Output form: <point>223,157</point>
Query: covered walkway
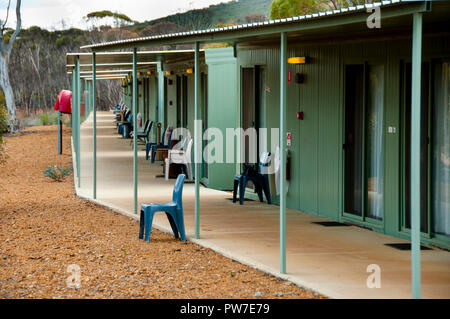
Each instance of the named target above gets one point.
<point>330,260</point>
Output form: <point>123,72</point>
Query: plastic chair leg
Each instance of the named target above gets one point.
<point>153,155</point>
<point>259,191</point>
<point>189,169</point>
<point>166,172</point>
<point>147,150</point>
<point>172,225</point>
<point>184,169</point>
<point>180,224</point>
<point>141,225</point>
<point>235,189</point>
<point>148,218</point>
<point>242,186</point>
<point>266,190</point>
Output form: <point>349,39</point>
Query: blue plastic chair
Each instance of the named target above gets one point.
<point>121,124</point>
<point>125,128</point>
<point>149,145</point>
<point>144,136</point>
<point>173,210</point>
<point>261,182</point>
<point>119,116</point>
<point>116,108</point>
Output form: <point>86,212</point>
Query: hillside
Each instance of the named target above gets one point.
<point>39,54</point>
<point>235,11</point>
<point>238,10</point>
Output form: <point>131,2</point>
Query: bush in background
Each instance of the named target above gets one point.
<point>44,118</point>
<point>47,118</point>
<point>3,129</point>
<point>57,173</point>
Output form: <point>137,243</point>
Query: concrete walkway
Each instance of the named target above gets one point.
<point>330,260</point>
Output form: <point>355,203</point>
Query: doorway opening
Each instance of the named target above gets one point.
<point>363,146</point>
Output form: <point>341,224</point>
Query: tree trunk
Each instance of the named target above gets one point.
<point>8,92</point>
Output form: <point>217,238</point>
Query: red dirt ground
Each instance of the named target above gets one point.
<point>44,228</point>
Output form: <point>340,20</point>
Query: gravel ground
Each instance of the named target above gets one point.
<point>44,228</point>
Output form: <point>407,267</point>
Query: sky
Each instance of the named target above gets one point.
<point>48,14</point>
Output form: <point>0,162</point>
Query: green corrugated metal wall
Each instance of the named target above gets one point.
<point>172,97</point>
<point>141,99</point>
<point>316,154</point>
<point>315,166</point>
<point>316,184</point>
<point>153,104</point>
<point>223,109</point>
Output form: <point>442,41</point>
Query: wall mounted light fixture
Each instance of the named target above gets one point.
<point>297,60</point>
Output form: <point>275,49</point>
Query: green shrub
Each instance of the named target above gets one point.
<point>3,122</point>
<point>55,118</point>
<point>57,173</point>
<point>3,129</point>
<point>45,119</point>
<point>2,98</point>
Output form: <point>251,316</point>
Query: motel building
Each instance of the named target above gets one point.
<point>358,101</point>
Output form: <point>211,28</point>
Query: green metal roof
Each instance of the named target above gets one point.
<point>119,64</point>
<point>312,24</point>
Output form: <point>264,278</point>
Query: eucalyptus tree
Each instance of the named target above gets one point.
<point>7,38</point>
<point>288,8</point>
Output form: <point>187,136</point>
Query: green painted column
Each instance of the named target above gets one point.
<point>82,88</point>
<point>74,106</point>
<point>72,116</point>
<point>94,124</point>
<point>160,108</point>
<point>88,96</point>
<point>59,133</point>
<point>89,84</point>
<point>135,106</point>
<point>78,93</point>
<point>283,94</point>
<point>83,93</point>
<point>415,152</point>
<point>87,90</point>
<point>197,141</point>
